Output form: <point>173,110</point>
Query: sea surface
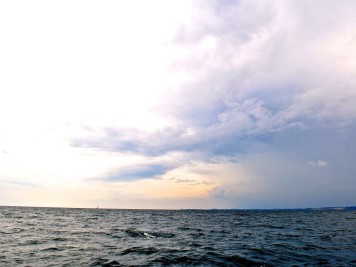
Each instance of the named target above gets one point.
<point>100,237</point>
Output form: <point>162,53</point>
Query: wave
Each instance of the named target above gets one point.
<point>145,234</point>
<point>105,263</point>
<point>140,250</point>
<point>12,231</point>
<point>185,260</point>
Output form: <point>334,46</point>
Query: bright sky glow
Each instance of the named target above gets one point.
<point>178,104</point>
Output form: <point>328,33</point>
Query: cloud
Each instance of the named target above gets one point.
<point>319,163</point>
<point>262,85</point>
<point>189,181</point>
<point>263,59</point>
<point>20,183</point>
<point>266,86</point>
<point>133,173</point>
<point>249,78</point>
<point>276,175</point>
<point>217,192</point>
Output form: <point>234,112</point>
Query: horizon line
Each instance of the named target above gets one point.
<point>352,207</point>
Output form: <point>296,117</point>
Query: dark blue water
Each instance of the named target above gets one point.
<point>89,237</point>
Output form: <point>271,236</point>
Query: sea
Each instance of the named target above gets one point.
<point>105,237</point>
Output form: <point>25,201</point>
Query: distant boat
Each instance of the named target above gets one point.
<point>97,207</point>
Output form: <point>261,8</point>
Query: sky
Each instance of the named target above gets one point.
<point>178,104</point>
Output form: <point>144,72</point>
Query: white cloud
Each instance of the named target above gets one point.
<point>319,163</point>
<point>299,68</point>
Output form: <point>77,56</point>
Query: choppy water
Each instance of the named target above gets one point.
<point>85,237</point>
